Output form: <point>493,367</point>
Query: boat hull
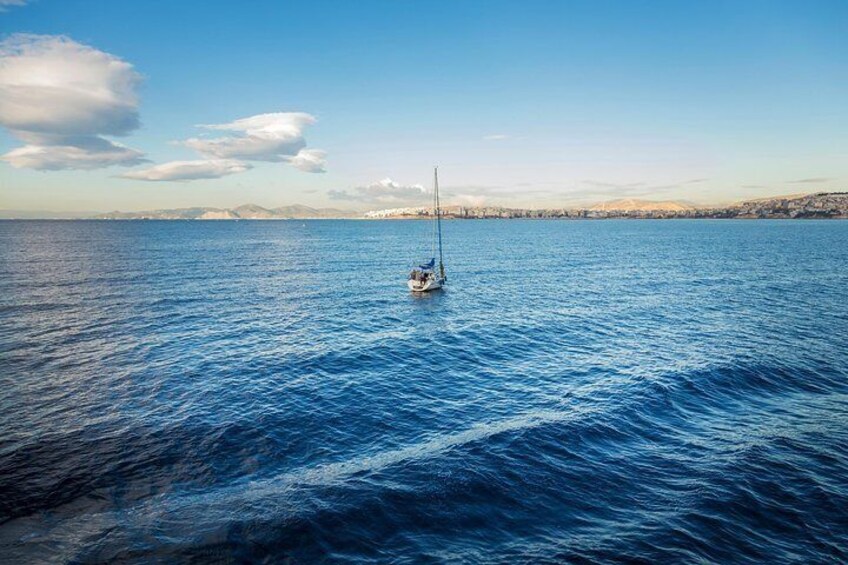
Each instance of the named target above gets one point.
<point>417,286</point>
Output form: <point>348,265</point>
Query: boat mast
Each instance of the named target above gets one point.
<point>439,220</point>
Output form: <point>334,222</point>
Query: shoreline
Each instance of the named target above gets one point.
<point>820,205</point>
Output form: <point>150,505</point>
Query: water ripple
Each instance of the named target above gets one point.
<point>627,391</point>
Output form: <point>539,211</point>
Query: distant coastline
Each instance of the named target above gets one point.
<point>821,205</point>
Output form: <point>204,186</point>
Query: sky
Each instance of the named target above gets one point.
<point>146,104</point>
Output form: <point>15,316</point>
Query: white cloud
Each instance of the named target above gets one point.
<point>275,137</point>
<point>495,137</point>
<point>310,161</point>
<point>385,191</point>
<point>79,152</point>
<point>189,170</point>
<point>60,97</point>
<point>4,4</point>
<point>265,137</point>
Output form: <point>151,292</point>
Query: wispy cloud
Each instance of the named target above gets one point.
<point>189,170</point>
<point>457,194</point>
<point>814,180</point>
<point>275,137</point>
<point>390,194</point>
<point>636,188</point>
<point>75,152</point>
<point>597,189</point>
<point>265,137</point>
<point>614,185</point>
<point>5,4</point>
<point>60,98</point>
<point>384,193</point>
<point>495,137</point>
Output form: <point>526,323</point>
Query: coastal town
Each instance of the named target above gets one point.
<point>818,205</point>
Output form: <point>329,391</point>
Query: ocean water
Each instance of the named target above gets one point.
<point>583,391</point>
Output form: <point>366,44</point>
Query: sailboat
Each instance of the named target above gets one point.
<point>425,277</point>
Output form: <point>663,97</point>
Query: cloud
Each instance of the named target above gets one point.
<point>810,181</point>
<point>469,200</point>
<point>189,170</point>
<point>605,189</point>
<point>385,191</point>
<point>272,137</point>
<point>79,152</point>
<point>4,4</point>
<point>275,137</point>
<point>614,185</point>
<point>495,137</point>
<point>310,161</point>
<point>491,195</point>
<point>60,97</point>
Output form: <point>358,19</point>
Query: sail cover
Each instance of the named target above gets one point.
<point>429,265</point>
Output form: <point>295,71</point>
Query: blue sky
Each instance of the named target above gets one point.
<point>520,103</point>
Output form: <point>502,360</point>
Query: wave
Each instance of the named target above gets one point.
<point>599,440</point>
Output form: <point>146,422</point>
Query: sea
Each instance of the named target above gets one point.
<point>671,391</point>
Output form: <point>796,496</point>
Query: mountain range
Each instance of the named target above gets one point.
<point>243,212</point>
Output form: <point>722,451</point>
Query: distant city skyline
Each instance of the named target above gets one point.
<point>143,105</point>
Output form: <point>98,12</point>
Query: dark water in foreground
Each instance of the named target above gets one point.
<point>584,391</point>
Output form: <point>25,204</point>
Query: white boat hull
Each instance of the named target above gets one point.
<point>425,286</point>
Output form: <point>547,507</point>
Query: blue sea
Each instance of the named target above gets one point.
<point>581,392</point>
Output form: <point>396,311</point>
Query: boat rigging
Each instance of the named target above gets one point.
<point>425,277</point>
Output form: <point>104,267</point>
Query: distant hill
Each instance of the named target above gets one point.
<point>298,211</point>
<point>243,212</point>
<point>635,205</point>
<point>817,205</point>
<point>43,215</point>
<point>793,196</point>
